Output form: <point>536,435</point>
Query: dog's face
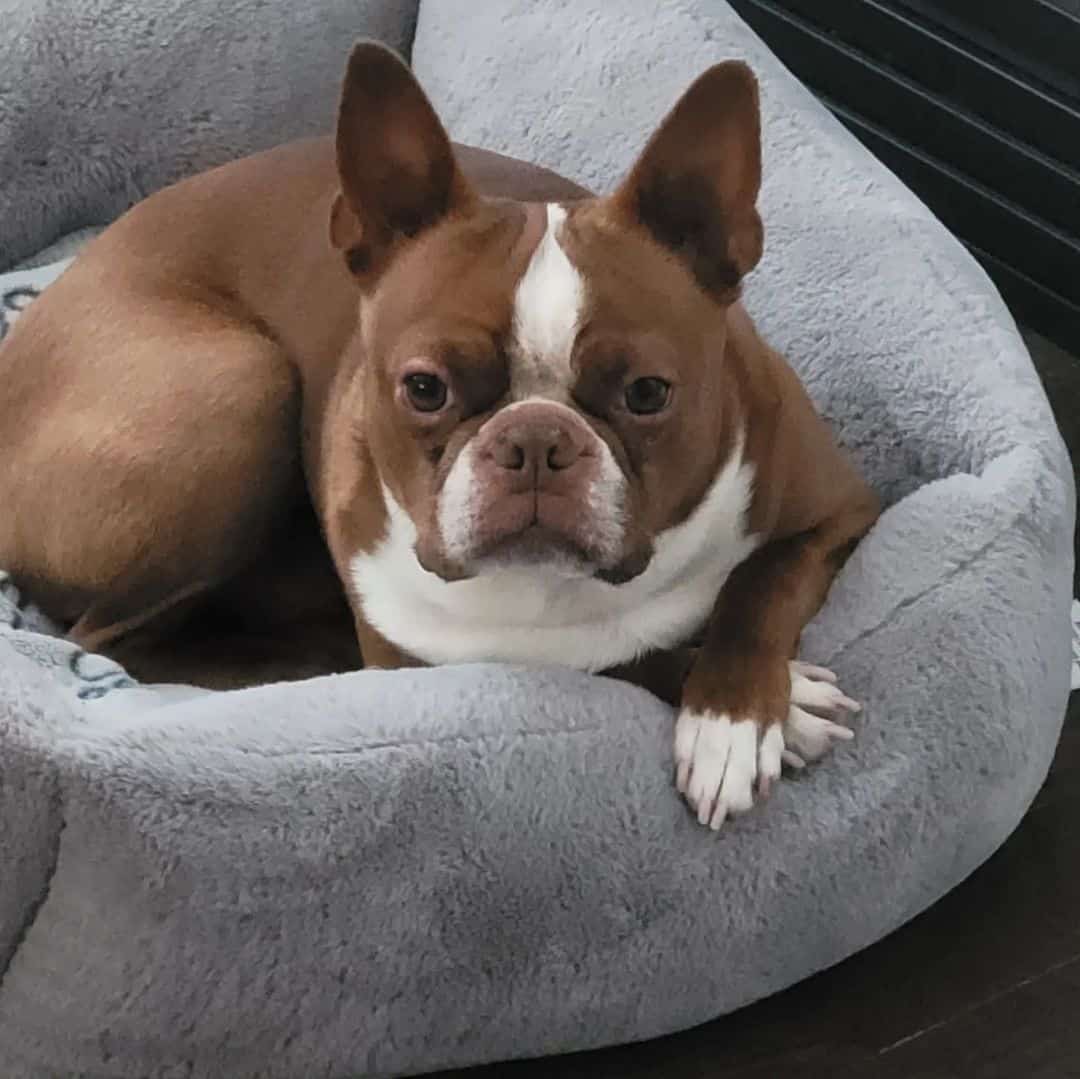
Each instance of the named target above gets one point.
<point>543,382</point>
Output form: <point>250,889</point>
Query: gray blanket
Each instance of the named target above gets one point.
<point>387,872</point>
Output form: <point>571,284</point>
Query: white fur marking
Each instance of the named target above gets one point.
<point>717,760</point>
<point>456,517</point>
<point>547,316</point>
<point>821,694</point>
<point>808,737</point>
<point>607,500</point>
<point>770,759</point>
<point>547,614</point>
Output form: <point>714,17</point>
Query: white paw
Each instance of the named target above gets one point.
<point>810,729</point>
<point>718,762</point>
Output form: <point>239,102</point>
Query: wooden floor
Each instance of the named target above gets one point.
<point>985,985</point>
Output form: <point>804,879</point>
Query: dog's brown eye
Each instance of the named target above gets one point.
<point>427,393</point>
<point>646,396</point>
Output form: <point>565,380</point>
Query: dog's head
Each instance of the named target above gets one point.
<point>544,383</point>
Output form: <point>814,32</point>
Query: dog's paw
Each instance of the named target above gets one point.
<point>719,761</point>
<point>817,702</point>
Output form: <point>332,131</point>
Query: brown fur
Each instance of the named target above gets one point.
<point>224,361</point>
<point>151,419</point>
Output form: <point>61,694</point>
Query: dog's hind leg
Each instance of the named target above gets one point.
<point>147,455</point>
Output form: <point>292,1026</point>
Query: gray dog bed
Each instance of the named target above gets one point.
<point>388,872</point>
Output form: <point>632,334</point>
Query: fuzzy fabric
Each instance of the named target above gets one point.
<point>104,101</point>
<point>19,289</point>
<point>389,872</point>
<point>1076,644</point>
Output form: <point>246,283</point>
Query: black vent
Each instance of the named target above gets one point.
<point>975,104</point>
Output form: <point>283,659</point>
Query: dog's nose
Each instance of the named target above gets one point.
<point>536,446</point>
<point>532,472</point>
<point>533,442</point>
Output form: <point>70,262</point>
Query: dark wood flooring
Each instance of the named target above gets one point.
<point>984,985</point>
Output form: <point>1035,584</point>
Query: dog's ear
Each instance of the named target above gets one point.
<point>695,185</point>
<point>395,163</point>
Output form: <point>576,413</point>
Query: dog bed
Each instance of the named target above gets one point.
<point>388,872</point>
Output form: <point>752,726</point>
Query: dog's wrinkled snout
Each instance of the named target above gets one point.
<point>534,445</point>
<point>537,484</point>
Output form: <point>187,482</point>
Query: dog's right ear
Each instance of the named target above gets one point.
<point>395,163</point>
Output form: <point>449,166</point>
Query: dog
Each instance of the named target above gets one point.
<point>376,399</point>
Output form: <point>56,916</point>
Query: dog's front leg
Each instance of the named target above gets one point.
<point>746,706</point>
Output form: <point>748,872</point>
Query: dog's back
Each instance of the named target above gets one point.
<point>150,424</point>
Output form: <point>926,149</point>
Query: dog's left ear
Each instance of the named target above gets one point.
<point>396,165</point>
<point>695,185</point>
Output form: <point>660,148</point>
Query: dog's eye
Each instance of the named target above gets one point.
<point>426,392</point>
<point>647,396</point>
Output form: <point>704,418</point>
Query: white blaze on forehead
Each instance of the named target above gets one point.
<point>547,315</point>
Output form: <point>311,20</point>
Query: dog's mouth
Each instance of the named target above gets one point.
<point>536,547</point>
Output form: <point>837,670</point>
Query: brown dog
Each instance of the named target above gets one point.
<point>534,426</point>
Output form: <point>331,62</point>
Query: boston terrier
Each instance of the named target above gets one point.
<point>376,399</point>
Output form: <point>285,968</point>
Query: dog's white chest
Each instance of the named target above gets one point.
<point>540,616</point>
